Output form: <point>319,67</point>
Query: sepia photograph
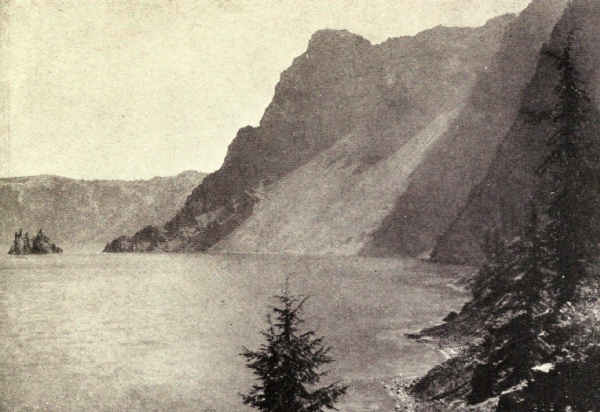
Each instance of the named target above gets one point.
<point>300,205</point>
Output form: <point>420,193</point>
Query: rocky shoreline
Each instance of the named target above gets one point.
<point>402,389</point>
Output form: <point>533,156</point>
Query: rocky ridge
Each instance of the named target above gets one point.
<point>348,124</point>
<point>77,212</point>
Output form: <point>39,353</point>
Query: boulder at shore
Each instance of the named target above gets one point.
<point>40,245</point>
<point>146,240</point>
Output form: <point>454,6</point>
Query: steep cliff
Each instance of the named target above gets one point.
<point>348,124</point>
<point>527,340</point>
<point>499,201</point>
<point>77,211</point>
<point>442,183</point>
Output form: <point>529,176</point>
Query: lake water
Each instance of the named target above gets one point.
<point>101,332</point>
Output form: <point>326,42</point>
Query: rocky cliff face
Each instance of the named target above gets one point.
<point>347,126</point>
<point>77,211</point>
<point>373,149</point>
<point>519,346</point>
<point>442,183</point>
<point>499,200</point>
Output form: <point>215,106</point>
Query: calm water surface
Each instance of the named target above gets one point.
<point>102,332</point>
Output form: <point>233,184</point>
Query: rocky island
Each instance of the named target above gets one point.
<point>40,245</point>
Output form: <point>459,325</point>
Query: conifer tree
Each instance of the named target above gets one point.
<point>287,365</point>
<point>572,169</point>
<point>541,350</point>
<point>513,348</point>
<point>557,258</point>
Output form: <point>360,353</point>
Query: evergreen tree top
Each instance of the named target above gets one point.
<point>287,365</point>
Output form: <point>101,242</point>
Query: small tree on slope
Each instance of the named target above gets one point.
<point>287,365</point>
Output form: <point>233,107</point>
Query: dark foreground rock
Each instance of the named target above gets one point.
<point>40,245</point>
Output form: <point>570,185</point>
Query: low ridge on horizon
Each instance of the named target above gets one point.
<point>76,211</point>
<point>189,172</point>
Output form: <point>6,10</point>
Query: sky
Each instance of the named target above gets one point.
<point>124,89</point>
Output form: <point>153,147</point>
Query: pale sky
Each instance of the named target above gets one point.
<point>130,89</point>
